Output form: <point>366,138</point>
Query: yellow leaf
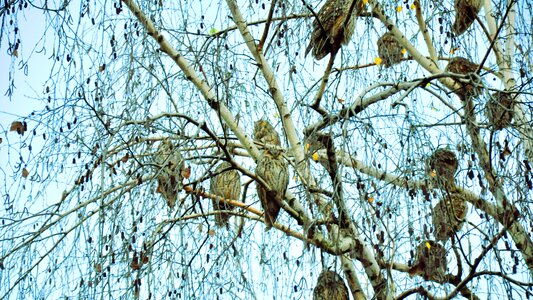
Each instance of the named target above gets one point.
<point>428,245</point>
<point>428,84</point>
<point>370,199</point>
<point>377,61</point>
<point>276,115</point>
<point>306,147</point>
<point>404,51</point>
<point>213,31</point>
<point>413,6</point>
<point>399,8</point>
<point>365,2</point>
<point>315,156</point>
<point>433,173</point>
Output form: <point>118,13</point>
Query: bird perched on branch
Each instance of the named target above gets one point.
<point>441,167</point>
<point>461,65</point>
<point>330,286</point>
<point>170,168</point>
<point>448,216</point>
<point>265,133</point>
<point>275,172</point>
<point>430,262</point>
<point>226,184</point>
<point>465,14</point>
<point>389,50</point>
<point>333,27</point>
<point>499,110</point>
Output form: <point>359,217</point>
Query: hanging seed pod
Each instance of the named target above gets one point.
<point>389,50</point>
<point>330,286</point>
<point>441,167</point>
<point>430,262</point>
<point>169,167</point>
<point>465,14</point>
<point>461,65</point>
<point>228,186</point>
<point>499,110</point>
<point>448,216</point>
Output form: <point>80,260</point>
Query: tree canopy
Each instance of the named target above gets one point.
<point>409,148</point>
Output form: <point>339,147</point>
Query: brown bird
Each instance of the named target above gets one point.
<point>461,65</point>
<point>332,29</point>
<point>389,50</point>
<point>430,262</point>
<point>448,216</point>
<point>170,167</point>
<point>330,286</point>
<point>465,14</point>
<point>499,110</point>
<point>275,172</point>
<point>265,133</point>
<point>441,167</point>
<point>228,186</point>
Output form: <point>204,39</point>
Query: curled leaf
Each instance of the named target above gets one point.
<point>135,263</point>
<point>186,172</point>
<point>315,156</point>
<point>19,127</point>
<point>98,268</point>
<point>25,173</point>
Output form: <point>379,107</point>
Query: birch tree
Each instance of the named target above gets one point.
<point>125,110</point>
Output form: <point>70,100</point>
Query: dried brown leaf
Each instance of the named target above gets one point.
<point>186,172</point>
<point>19,127</point>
